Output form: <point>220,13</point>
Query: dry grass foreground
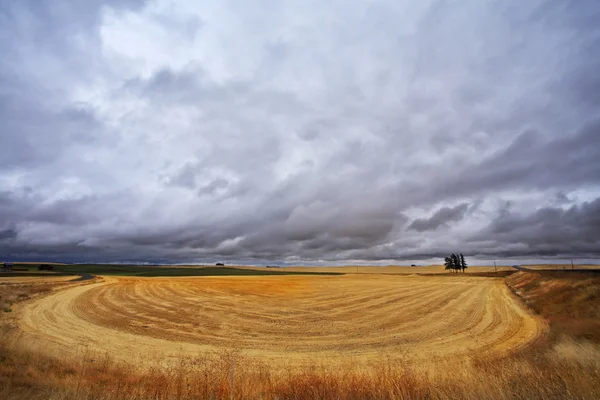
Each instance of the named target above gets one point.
<point>286,321</point>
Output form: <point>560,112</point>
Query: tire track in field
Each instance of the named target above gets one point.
<point>284,317</point>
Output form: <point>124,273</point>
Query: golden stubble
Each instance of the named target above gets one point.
<point>284,321</point>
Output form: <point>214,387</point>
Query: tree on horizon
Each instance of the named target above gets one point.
<point>455,262</point>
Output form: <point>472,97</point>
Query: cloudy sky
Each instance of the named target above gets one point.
<point>299,131</point>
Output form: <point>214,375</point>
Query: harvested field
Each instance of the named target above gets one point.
<point>282,320</point>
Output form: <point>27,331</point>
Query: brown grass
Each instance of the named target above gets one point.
<point>23,375</point>
<point>559,366</point>
<point>570,301</point>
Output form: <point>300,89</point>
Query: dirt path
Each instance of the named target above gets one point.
<point>281,320</point>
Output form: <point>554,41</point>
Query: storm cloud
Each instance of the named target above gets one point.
<point>440,218</point>
<point>295,132</point>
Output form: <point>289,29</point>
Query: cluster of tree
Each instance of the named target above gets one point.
<point>455,262</point>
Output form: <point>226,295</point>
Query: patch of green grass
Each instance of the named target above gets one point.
<point>7,309</point>
<point>25,267</point>
<point>156,271</point>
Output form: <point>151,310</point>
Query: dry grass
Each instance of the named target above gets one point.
<point>557,366</point>
<point>23,375</point>
<point>570,301</point>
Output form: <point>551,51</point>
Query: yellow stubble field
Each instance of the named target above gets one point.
<point>285,321</point>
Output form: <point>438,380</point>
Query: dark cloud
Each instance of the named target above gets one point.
<point>552,231</point>
<point>161,131</point>
<point>439,218</point>
<point>562,199</point>
<point>529,162</point>
<point>8,233</point>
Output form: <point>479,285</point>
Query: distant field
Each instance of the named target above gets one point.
<point>165,271</point>
<point>31,269</point>
<point>560,267</point>
<point>194,270</point>
<point>191,270</point>
<point>390,269</point>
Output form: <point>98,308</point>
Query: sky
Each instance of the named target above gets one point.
<point>299,132</point>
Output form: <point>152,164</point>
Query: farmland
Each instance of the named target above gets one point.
<point>297,336</point>
<point>297,319</point>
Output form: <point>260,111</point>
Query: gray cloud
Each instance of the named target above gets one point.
<point>439,218</point>
<point>8,233</point>
<point>172,132</point>
<point>552,231</point>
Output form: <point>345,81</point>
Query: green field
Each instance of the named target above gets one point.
<point>30,270</point>
<point>156,271</point>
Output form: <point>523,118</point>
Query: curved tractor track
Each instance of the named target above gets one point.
<point>282,318</point>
